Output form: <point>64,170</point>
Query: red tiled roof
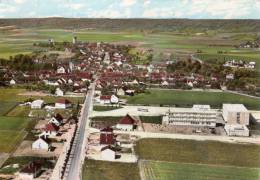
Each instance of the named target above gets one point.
<point>63,101</point>
<point>127,120</point>
<point>107,138</point>
<point>105,97</point>
<point>51,127</point>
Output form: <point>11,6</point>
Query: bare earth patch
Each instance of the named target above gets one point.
<point>33,93</point>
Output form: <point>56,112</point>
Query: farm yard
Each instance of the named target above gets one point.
<point>96,170</point>
<point>155,170</point>
<point>181,98</point>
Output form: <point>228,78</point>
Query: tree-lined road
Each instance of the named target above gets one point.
<point>77,155</point>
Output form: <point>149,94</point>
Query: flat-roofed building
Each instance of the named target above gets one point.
<point>199,116</point>
<point>235,114</point>
<point>236,117</point>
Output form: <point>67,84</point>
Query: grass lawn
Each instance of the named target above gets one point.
<point>151,119</point>
<point>105,108</point>
<point>21,111</point>
<point>188,98</point>
<point>10,139</point>
<point>13,123</point>
<point>199,152</point>
<point>110,119</point>
<point>12,131</point>
<point>6,106</point>
<point>180,171</point>
<point>97,170</point>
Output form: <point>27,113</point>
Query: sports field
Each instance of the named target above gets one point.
<point>188,98</point>
<point>154,170</point>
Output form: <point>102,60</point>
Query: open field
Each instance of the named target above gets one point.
<point>12,131</point>
<point>105,108</point>
<point>13,123</point>
<point>199,152</point>
<point>97,170</point>
<point>20,40</point>
<point>6,106</point>
<point>188,98</point>
<point>12,95</point>
<point>181,171</point>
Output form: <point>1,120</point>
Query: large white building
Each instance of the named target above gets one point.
<point>198,116</point>
<point>37,104</point>
<point>236,117</point>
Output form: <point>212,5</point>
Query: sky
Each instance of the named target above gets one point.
<point>193,9</point>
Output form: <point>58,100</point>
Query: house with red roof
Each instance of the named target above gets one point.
<point>50,129</point>
<point>126,123</point>
<point>109,99</point>
<point>63,103</point>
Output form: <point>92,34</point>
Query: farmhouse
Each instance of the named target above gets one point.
<point>236,117</point>
<point>108,153</point>
<point>41,144</point>
<point>50,130</point>
<point>127,123</point>
<point>30,171</point>
<point>37,104</point>
<point>198,116</point>
<point>63,104</point>
<point>109,99</point>
<point>57,119</point>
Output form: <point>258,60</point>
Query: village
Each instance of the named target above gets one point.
<point>115,126</point>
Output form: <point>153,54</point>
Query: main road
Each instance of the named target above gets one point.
<point>77,155</point>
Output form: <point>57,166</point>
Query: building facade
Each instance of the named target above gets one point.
<point>198,116</point>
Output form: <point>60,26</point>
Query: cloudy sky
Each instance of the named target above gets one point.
<point>206,9</point>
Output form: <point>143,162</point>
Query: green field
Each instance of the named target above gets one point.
<point>104,170</point>
<point>180,171</point>
<point>188,98</point>
<point>13,41</point>
<point>199,152</point>
<point>105,108</point>
<point>6,106</point>
<point>12,131</point>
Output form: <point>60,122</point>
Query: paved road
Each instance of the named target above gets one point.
<point>249,140</point>
<point>77,156</point>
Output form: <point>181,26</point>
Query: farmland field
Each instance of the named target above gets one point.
<point>97,170</point>
<point>154,170</point>
<point>199,152</point>
<point>188,98</point>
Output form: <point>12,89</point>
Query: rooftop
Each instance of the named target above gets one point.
<point>235,107</point>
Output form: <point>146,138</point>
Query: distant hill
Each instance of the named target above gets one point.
<point>136,24</point>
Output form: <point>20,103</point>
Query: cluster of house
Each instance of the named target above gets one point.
<point>50,130</point>
<point>60,103</point>
<point>240,64</point>
<point>108,138</point>
<point>251,44</point>
<point>235,116</point>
